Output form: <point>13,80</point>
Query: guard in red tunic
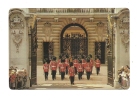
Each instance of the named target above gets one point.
<point>46,69</point>
<point>53,66</point>
<point>67,63</point>
<point>88,69</point>
<point>83,63</point>
<point>71,71</point>
<point>62,69</point>
<point>97,65</point>
<point>80,70</point>
<point>75,63</point>
<point>92,63</point>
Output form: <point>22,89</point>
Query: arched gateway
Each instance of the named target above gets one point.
<point>74,44</point>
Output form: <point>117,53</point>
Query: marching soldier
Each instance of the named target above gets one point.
<point>88,69</point>
<point>80,70</point>
<point>92,62</point>
<point>97,65</point>
<point>46,69</point>
<point>71,71</point>
<point>62,69</point>
<point>83,63</point>
<point>67,63</point>
<point>53,66</point>
<point>75,63</point>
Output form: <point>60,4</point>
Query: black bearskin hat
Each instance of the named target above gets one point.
<point>88,60</point>
<point>90,55</point>
<point>71,64</point>
<point>54,58</point>
<point>80,61</point>
<point>62,60</point>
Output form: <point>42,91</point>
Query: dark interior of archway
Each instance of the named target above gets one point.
<point>74,44</point>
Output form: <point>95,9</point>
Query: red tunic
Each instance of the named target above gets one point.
<point>88,68</point>
<point>83,63</point>
<point>46,67</point>
<point>71,71</point>
<point>53,65</point>
<point>97,63</point>
<point>67,62</point>
<point>80,68</point>
<point>75,63</point>
<point>62,67</point>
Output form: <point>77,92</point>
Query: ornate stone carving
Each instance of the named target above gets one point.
<point>124,29</point>
<point>47,31</point>
<point>16,21</point>
<point>17,38</point>
<point>100,30</point>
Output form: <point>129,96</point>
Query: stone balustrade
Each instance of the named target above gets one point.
<point>75,10</point>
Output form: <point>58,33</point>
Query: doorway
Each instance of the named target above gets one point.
<point>47,50</point>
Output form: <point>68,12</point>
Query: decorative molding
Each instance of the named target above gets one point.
<point>17,38</point>
<point>124,29</point>
<point>16,21</point>
<point>100,30</point>
<point>56,19</point>
<point>91,19</point>
<point>47,31</point>
<point>74,20</point>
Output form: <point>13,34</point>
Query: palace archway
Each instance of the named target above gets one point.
<point>74,40</point>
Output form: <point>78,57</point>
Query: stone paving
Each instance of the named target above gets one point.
<point>95,82</point>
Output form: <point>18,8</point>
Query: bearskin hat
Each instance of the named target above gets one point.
<point>71,64</point>
<point>80,61</point>
<point>54,58</point>
<point>90,55</point>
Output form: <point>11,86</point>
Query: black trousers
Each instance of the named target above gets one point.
<point>88,75</point>
<point>80,75</point>
<point>62,75</point>
<point>53,74</point>
<point>46,75</point>
<point>97,70</point>
<point>72,79</point>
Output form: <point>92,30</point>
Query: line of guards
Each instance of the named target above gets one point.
<point>71,66</point>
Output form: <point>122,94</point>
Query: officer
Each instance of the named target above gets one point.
<point>53,66</point>
<point>97,65</point>
<point>71,71</point>
<point>88,69</point>
<point>46,69</point>
<point>62,69</point>
<point>80,70</point>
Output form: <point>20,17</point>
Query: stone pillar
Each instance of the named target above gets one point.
<point>18,41</point>
<point>116,84</point>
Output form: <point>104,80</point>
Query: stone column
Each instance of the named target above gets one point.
<point>116,84</point>
<point>18,40</point>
